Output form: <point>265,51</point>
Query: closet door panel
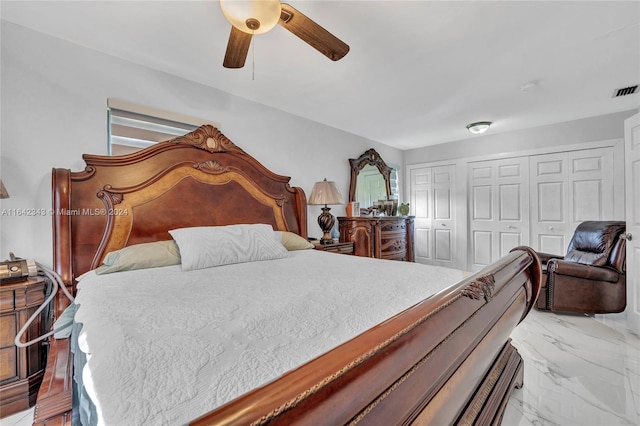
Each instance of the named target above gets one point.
<point>443,216</point>
<point>549,202</point>
<point>482,219</point>
<point>513,204</point>
<point>482,247</point>
<point>587,201</point>
<point>420,204</point>
<point>481,202</point>
<point>443,244</point>
<point>509,240</point>
<point>591,177</point>
<point>423,244</point>
<point>569,188</point>
<point>498,208</point>
<point>432,204</point>
<point>554,244</point>
<point>510,208</point>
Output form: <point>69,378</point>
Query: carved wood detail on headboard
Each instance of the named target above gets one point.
<point>210,139</point>
<point>121,204</point>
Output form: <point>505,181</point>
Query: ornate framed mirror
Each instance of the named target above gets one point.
<point>370,179</point>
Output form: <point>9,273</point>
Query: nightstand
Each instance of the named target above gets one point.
<point>21,369</point>
<point>341,248</point>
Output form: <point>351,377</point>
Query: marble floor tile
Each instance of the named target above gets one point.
<point>23,418</point>
<point>578,370</point>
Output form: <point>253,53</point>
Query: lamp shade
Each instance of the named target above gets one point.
<point>3,190</point>
<point>325,192</point>
<point>253,17</point>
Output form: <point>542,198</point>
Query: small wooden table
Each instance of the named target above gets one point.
<point>21,369</point>
<point>341,248</point>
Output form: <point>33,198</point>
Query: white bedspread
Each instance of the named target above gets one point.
<point>166,346</point>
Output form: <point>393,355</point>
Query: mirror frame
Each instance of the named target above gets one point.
<point>371,157</point>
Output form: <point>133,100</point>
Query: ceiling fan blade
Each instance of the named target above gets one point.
<point>312,33</point>
<point>237,48</point>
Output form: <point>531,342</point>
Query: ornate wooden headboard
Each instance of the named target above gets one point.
<point>198,179</point>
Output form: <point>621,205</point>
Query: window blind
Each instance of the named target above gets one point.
<point>130,131</point>
<point>133,127</point>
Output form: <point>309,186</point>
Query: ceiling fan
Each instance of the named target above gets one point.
<point>259,16</point>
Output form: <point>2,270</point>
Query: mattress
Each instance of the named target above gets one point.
<point>164,346</point>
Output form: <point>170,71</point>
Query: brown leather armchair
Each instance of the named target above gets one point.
<point>591,277</point>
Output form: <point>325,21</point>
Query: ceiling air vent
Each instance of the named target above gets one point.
<point>625,91</point>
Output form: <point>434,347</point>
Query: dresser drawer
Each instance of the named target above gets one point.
<point>392,227</point>
<point>6,301</point>
<point>395,244</point>
<point>8,364</point>
<point>402,256</point>
<point>384,237</point>
<point>8,329</point>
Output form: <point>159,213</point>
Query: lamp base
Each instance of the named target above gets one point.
<point>326,240</point>
<point>326,222</point>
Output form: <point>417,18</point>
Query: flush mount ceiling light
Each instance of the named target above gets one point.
<point>479,127</point>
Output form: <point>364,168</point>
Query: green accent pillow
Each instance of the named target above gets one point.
<point>294,241</point>
<point>141,256</point>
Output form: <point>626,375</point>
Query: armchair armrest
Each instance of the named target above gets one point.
<point>546,257</point>
<point>580,270</point>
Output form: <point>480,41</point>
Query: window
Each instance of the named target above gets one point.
<point>133,127</point>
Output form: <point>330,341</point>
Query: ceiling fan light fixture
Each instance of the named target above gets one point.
<point>479,127</point>
<point>252,17</point>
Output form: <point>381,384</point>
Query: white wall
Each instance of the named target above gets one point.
<point>604,127</point>
<point>53,109</point>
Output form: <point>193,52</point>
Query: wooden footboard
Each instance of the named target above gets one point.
<point>446,360</point>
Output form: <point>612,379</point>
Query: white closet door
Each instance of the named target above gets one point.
<point>569,188</point>
<point>420,206</point>
<point>498,192</point>
<point>444,213</point>
<point>432,204</point>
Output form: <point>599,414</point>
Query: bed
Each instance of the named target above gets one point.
<point>440,355</point>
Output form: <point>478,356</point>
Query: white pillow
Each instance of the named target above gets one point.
<point>207,246</point>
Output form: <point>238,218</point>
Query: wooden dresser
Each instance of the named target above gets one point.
<point>386,237</point>
<point>21,369</point>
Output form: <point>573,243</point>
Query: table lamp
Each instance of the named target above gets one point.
<point>325,193</point>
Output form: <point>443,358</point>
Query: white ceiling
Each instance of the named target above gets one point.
<point>417,71</point>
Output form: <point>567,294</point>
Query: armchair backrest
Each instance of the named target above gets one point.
<point>598,243</point>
